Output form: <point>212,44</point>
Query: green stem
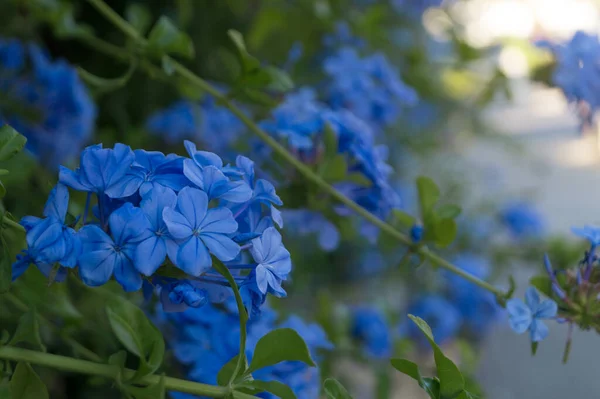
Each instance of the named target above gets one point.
<point>108,371</point>
<point>82,350</point>
<point>12,223</point>
<point>185,73</point>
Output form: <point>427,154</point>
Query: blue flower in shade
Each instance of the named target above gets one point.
<point>45,101</point>
<point>304,222</point>
<point>154,247</point>
<point>102,255</point>
<point>49,240</point>
<point>273,262</point>
<point>199,230</point>
<point>342,37</point>
<point>529,315</point>
<point>523,220</point>
<point>178,122</point>
<point>370,326</point>
<point>591,233</point>
<point>152,168</point>
<point>416,233</point>
<point>206,171</point>
<point>102,171</point>
<point>441,315</point>
<point>185,292</point>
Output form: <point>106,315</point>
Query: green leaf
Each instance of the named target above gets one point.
<point>139,17</point>
<point>25,384</point>
<point>226,372</point>
<point>2,190</point>
<point>429,385</point>
<point>5,390</point>
<point>3,172</point>
<point>334,169</point>
<point>5,268</point>
<point>429,195</point>
<point>445,232</point>
<point>5,337</point>
<point>403,218</point>
<point>534,348</point>
<point>542,283</point>
<point>107,84</point>
<point>11,142</point>
<point>275,387</point>
<point>279,80</point>
<point>137,334</point>
<point>451,379</point>
<point>448,211</point>
<point>166,38</point>
<point>28,330</point>
<point>242,395</point>
<point>249,63</point>
<point>335,390</point>
<point>167,65</point>
<point>278,346</point>
<point>154,391</point>
<point>330,141</point>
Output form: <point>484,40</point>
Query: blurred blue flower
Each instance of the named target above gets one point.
<point>523,220</point>
<point>441,315</point>
<point>529,315</point>
<point>45,101</point>
<point>176,123</point>
<point>591,233</point>
<point>414,8</point>
<point>370,327</point>
<point>305,222</point>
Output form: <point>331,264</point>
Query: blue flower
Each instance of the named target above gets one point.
<point>102,171</point>
<point>370,326</point>
<point>304,222</point>
<point>441,315</point>
<point>529,315</point>
<point>178,122</point>
<point>414,8</point>
<point>591,233</point>
<point>102,255</point>
<point>416,233</point>
<point>45,101</point>
<point>49,240</point>
<point>522,220</point>
<point>199,230</point>
<point>273,261</point>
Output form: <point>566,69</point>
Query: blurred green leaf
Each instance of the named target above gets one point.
<point>448,211</point>
<point>403,218</point>
<point>429,385</point>
<point>283,344</point>
<point>107,84</point>
<point>139,17</point>
<point>154,391</point>
<point>249,63</point>
<point>542,283</point>
<point>330,141</point>
<point>445,232</point>
<point>279,80</point>
<point>334,169</point>
<point>28,330</point>
<point>25,384</point>
<point>534,348</point>
<point>429,195</point>
<point>11,142</point>
<point>137,334</point>
<point>335,390</point>
<point>166,38</point>
<point>275,387</point>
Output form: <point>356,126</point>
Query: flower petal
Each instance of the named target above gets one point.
<point>192,204</point>
<point>179,227</point>
<point>538,330</point>
<point>532,298</point>
<point>126,275</point>
<point>96,267</point>
<point>193,257</point>
<point>546,310</point>
<point>150,255</point>
<point>223,247</point>
<point>519,315</point>
<point>58,202</point>
<point>218,220</point>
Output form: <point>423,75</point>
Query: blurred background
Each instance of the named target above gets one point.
<point>492,99</point>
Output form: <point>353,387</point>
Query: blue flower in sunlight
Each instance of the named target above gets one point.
<point>273,261</point>
<point>102,255</point>
<point>199,230</point>
<point>528,315</point>
<point>441,315</point>
<point>102,171</point>
<point>49,240</point>
<point>45,101</point>
<point>370,326</point>
<point>591,233</point>
<point>523,220</point>
<point>305,222</point>
<point>370,87</point>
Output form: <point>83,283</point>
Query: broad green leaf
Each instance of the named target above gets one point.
<point>28,330</point>
<point>25,384</point>
<point>448,211</point>
<point>407,367</point>
<point>248,62</point>
<point>166,38</point>
<point>279,80</point>
<point>155,391</point>
<point>334,169</point>
<point>335,390</point>
<point>542,283</point>
<point>139,17</point>
<point>107,84</point>
<point>278,346</point>
<point>226,372</point>
<point>429,195</point>
<point>445,232</point>
<point>330,141</point>
<point>451,379</point>
<point>275,387</point>
<point>404,218</point>
<point>11,142</point>
<point>137,334</point>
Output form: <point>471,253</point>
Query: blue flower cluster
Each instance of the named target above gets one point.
<point>156,215</point>
<point>522,220</point>
<point>45,101</point>
<point>206,340</point>
<point>370,327</point>
<point>213,125</point>
<point>414,8</point>
<point>577,72</point>
<point>370,87</point>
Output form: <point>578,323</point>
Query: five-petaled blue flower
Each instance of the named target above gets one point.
<point>274,262</point>
<point>529,315</point>
<point>199,230</point>
<point>102,255</point>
